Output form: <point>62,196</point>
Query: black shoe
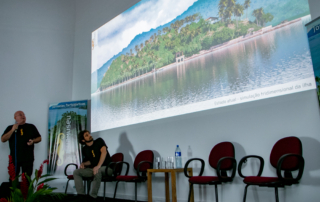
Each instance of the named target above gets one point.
<point>79,198</point>
<point>91,199</point>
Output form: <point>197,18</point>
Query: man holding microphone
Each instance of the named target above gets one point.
<point>22,136</point>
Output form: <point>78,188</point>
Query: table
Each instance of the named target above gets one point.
<point>173,182</point>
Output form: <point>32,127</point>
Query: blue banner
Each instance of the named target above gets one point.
<point>66,120</point>
<point>313,29</point>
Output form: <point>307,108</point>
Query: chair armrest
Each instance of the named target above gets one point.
<point>114,166</point>
<point>70,164</point>
<point>234,168</point>
<point>244,160</point>
<point>139,165</point>
<point>118,164</point>
<point>301,167</point>
<point>111,165</point>
<point>189,161</point>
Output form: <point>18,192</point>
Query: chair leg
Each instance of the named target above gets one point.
<point>89,186</point>
<point>85,186</point>
<point>190,191</point>
<point>115,190</point>
<point>135,187</point>
<point>66,187</point>
<point>104,191</point>
<point>245,193</point>
<point>216,190</point>
<point>276,192</point>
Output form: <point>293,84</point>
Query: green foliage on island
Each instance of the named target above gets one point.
<point>189,35</point>
<point>288,10</point>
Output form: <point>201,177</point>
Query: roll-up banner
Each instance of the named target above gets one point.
<point>66,120</point>
<point>313,29</point>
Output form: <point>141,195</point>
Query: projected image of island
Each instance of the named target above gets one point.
<point>163,58</point>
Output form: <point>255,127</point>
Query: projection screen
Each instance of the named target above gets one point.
<point>163,58</point>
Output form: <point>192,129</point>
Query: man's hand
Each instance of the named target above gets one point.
<point>30,142</point>
<point>82,166</point>
<point>6,137</point>
<point>14,127</point>
<point>96,170</point>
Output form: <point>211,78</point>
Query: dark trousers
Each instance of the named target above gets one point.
<point>27,167</point>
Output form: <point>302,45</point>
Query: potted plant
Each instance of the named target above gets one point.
<point>30,190</point>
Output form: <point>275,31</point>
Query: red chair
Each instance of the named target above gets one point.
<point>70,177</point>
<point>286,155</point>
<point>118,157</point>
<point>221,158</point>
<point>142,162</point>
<point>115,158</point>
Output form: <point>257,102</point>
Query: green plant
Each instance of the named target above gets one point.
<point>30,190</point>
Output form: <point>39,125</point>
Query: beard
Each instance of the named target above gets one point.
<point>90,140</point>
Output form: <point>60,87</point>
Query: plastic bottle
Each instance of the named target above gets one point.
<point>178,157</point>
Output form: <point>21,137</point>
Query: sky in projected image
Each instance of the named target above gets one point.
<point>163,58</point>
<point>119,32</point>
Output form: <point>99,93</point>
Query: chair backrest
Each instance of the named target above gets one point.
<point>116,158</point>
<point>287,145</point>
<point>223,149</point>
<point>146,155</point>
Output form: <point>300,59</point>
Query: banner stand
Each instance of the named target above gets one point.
<point>66,120</point>
<point>313,30</point>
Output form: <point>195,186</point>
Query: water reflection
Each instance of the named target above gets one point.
<point>274,58</point>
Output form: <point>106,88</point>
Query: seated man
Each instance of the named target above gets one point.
<point>95,160</point>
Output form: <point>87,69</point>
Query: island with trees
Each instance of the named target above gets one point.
<point>192,36</point>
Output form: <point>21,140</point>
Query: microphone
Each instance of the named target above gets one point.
<point>16,130</point>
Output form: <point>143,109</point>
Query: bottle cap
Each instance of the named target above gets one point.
<point>177,145</point>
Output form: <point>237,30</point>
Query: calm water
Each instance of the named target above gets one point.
<point>274,58</point>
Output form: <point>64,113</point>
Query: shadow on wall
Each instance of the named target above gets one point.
<point>239,154</point>
<point>126,148</point>
<point>311,151</point>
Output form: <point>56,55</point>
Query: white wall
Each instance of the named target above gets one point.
<point>253,127</point>
<point>314,8</point>
<point>45,58</point>
<point>36,61</point>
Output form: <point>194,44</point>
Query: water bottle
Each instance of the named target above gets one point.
<point>178,157</point>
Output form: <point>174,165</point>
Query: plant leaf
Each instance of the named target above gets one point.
<point>47,180</point>
<point>29,179</point>
<point>17,196</point>
<point>36,174</point>
<point>46,175</point>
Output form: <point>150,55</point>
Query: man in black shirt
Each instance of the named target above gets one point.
<point>22,136</point>
<point>95,160</point>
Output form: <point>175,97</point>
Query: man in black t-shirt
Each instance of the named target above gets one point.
<point>22,136</point>
<point>95,160</point>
